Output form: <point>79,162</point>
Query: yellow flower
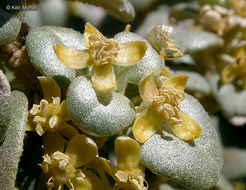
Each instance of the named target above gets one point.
<point>63,168</point>
<point>240,7</point>
<point>129,173</point>
<point>232,72</point>
<point>101,54</point>
<point>164,105</point>
<point>216,18</point>
<point>160,39</point>
<point>49,118</point>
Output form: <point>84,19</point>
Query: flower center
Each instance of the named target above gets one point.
<point>46,116</point>
<point>132,180</point>
<point>166,104</point>
<point>60,170</point>
<point>240,7</point>
<point>103,51</point>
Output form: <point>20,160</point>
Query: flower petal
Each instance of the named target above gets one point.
<point>91,182</point>
<point>148,89</point>
<point>81,150</point>
<point>71,57</point>
<point>189,130</point>
<point>53,142</point>
<point>49,87</point>
<point>63,111</point>
<point>90,30</point>
<point>127,152</point>
<point>103,164</point>
<point>29,125</point>
<point>239,53</point>
<point>178,82</point>
<point>244,81</point>
<point>146,125</point>
<point>68,130</point>
<point>130,53</point>
<point>103,78</point>
<point>230,73</point>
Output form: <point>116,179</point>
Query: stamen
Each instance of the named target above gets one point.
<point>35,109</point>
<point>53,121</point>
<point>39,119</point>
<point>167,104</point>
<point>103,51</point>
<point>121,176</point>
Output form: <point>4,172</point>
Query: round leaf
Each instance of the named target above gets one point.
<point>12,147</point>
<point>5,105</point>
<point>98,114</point>
<point>232,103</point>
<point>195,164</point>
<point>151,61</point>
<point>10,22</point>
<point>192,41</point>
<point>40,44</point>
<point>121,9</point>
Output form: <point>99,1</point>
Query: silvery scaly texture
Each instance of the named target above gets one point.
<point>10,24</point>
<point>192,41</point>
<point>5,105</point>
<point>121,9</point>
<point>40,48</point>
<point>98,114</point>
<point>235,163</point>
<point>151,61</point>
<point>195,164</point>
<point>12,147</point>
<point>232,103</point>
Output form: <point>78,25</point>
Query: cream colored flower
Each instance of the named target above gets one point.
<point>164,106</point>
<point>129,173</point>
<point>101,54</point>
<point>238,69</point>
<point>50,115</point>
<point>49,118</point>
<point>240,7</point>
<point>64,168</point>
<point>215,18</point>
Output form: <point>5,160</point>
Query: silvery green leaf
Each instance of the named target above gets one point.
<point>33,19</point>
<point>232,103</point>
<point>121,74</point>
<point>192,41</point>
<point>224,3</point>
<point>235,163</point>
<point>51,17</point>
<point>10,22</point>
<point>182,11</point>
<point>224,184</point>
<point>121,9</point>
<point>12,147</point>
<point>5,105</point>
<point>143,4</point>
<point>166,186</point>
<point>156,17</point>
<point>194,164</point>
<point>151,61</point>
<point>196,82</point>
<point>40,44</point>
<point>94,14</point>
<point>238,120</point>
<point>227,59</point>
<point>97,113</point>
<point>186,59</point>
